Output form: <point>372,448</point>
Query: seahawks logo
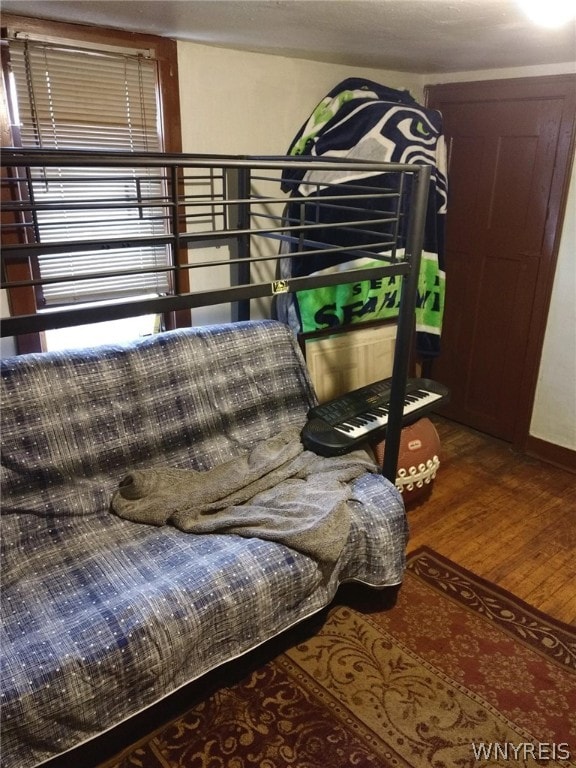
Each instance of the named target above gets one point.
<point>399,134</point>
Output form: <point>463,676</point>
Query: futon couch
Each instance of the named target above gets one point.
<point>160,517</point>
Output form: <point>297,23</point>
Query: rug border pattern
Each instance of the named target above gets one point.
<point>553,639</point>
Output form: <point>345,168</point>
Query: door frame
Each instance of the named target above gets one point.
<point>545,87</point>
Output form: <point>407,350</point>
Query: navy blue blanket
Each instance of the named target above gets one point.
<point>362,120</point>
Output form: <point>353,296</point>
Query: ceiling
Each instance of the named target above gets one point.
<point>420,36</point>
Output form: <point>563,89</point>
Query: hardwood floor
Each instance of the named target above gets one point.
<point>507,517</point>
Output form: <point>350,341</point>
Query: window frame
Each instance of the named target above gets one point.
<point>23,300</point>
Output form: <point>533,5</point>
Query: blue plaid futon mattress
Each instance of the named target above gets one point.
<point>102,617</point>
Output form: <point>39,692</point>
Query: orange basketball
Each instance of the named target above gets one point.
<point>418,460</point>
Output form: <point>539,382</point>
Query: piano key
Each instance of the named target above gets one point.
<point>357,427</point>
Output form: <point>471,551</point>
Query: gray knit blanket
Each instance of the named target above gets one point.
<point>276,491</point>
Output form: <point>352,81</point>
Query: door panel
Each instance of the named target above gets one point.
<point>509,151</point>
<point>499,344</point>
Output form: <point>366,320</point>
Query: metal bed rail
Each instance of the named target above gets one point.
<point>114,209</point>
<point>186,203</point>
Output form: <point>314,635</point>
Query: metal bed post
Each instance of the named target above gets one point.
<point>173,174</point>
<point>404,334</point>
<point>240,271</point>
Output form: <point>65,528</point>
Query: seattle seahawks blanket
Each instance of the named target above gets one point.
<point>362,120</point>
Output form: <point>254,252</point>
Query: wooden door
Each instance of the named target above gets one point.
<point>510,146</point>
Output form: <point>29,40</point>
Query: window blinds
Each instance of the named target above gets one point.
<point>74,98</point>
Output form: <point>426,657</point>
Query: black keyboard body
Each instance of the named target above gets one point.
<point>342,424</point>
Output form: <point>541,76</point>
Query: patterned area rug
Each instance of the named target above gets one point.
<point>458,673</point>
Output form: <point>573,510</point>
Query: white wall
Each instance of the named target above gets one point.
<point>554,414</point>
<point>237,102</point>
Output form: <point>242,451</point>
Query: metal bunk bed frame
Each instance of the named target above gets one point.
<point>206,200</point>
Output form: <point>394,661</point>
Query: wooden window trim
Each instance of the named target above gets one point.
<point>23,301</point>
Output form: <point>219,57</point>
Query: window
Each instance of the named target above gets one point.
<point>71,90</point>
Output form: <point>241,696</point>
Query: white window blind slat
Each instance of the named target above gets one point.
<point>79,99</point>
